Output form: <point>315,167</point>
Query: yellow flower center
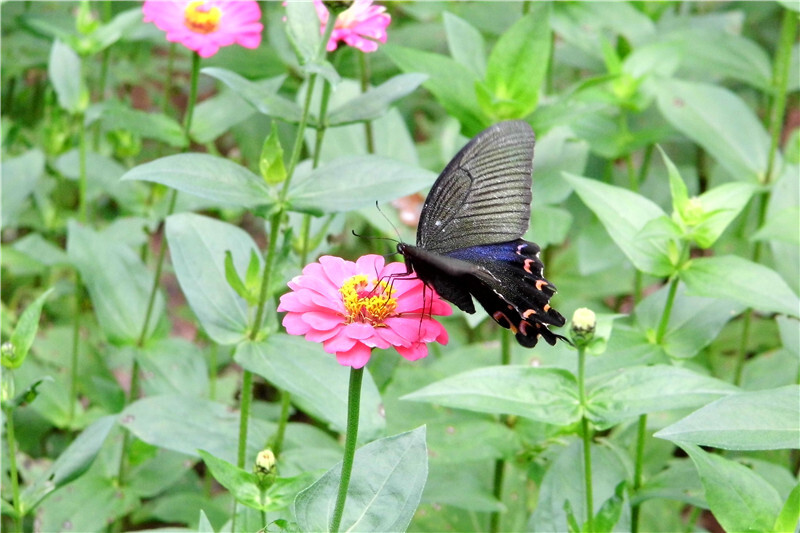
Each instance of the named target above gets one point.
<point>200,18</point>
<point>369,303</point>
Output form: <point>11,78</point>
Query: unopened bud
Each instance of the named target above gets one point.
<point>584,322</point>
<point>265,462</point>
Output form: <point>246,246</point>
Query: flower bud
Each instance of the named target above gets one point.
<point>265,463</point>
<point>584,322</point>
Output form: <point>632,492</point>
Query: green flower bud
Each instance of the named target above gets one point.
<point>584,322</point>
<point>265,463</point>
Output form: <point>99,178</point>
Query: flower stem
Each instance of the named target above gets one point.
<point>12,464</point>
<point>187,120</point>
<point>353,406</point>
<point>780,80</point>
<point>364,70</point>
<point>500,464</point>
<point>587,440</point>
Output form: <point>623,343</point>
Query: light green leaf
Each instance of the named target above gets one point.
<point>271,163</point>
<point>303,29</point>
<point>721,205</point>
<point>353,182</point>
<point>206,176</point>
<point>25,331</point>
<point>242,485</point>
<point>466,44</point>
<point>634,391</point>
<point>186,425</point>
<point>740,499</point>
<point>71,464</point>
<point>783,226</point>
<point>173,366</point>
<point>518,64</point>
<point>738,279</point>
<point>197,246</point>
<point>646,251</point>
<point>545,394</point>
<point>64,71</point>
<point>375,102</point>
<point>385,487</point>
<point>119,285</point>
<point>317,383</point>
<point>262,97</point>
<point>719,121</point>
<point>789,517</point>
<point>760,420</point>
<point>452,84</point>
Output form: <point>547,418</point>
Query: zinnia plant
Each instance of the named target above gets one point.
<point>207,25</point>
<point>353,307</point>
<point>361,26</point>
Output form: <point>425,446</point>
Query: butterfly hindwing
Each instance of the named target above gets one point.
<point>469,236</point>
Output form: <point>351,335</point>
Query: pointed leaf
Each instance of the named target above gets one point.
<point>25,331</point>
<point>466,44</point>
<point>206,176</point>
<point>263,98</point>
<point>64,71</point>
<point>761,420</point>
<point>740,499</point>
<point>375,102</point>
<point>736,278</point>
<point>158,126</point>
<point>385,487</point>
<point>198,246</point>
<point>545,394</point>
<point>19,178</point>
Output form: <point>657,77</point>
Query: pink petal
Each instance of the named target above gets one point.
<point>356,357</point>
<point>418,350</point>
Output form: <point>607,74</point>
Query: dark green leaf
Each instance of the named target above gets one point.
<point>385,487</point>
<point>545,394</point>
<point>25,331</point>
<point>760,420</point>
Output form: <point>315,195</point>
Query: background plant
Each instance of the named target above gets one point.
<point>665,199</point>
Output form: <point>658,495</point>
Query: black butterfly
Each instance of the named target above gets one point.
<point>468,239</point>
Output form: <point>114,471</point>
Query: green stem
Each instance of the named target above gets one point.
<point>587,440</point>
<point>662,325</point>
<point>187,120</point>
<point>168,83</point>
<point>286,403</point>
<point>692,519</point>
<point>353,407</point>
<point>12,463</point>
<point>76,333</point>
<point>364,71</point>
<point>500,464</point>
<point>82,179</point>
<point>638,470</point>
<point>780,80</point>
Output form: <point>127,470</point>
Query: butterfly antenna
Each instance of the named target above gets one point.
<point>399,237</point>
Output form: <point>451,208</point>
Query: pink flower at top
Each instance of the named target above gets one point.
<point>207,25</point>
<point>353,307</point>
<point>358,21</point>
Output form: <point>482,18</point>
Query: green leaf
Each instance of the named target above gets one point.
<point>609,513</point>
<point>677,187</point>
<point>206,176</point>
<point>303,29</point>
<point>186,425</point>
<point>65,73</point>
<point>158,126</point>
<point>375,102</point>
<point>564,483</point>
<point>353,182</point>
<point>119,284</point>
<point>465,43</point>
<point>241,484</point>
<point>173,366</point>
<point>740,499</point>
<point>264,98</point>
<point>545,394</point>
<point>633,391</point>
<point>721,205</point>
<point>452,84</point>
<point>198,246</point>
<point>738,279</point>
<point>25,331</point>
<point>271,162</point>
<point>719,121</point>
<point>70,465</point>
<point>518,64</point>
<point>19,178</point>
<point>232,277</point>
<point>385,487</point>
<point>789,516</point>
<point>760,420</point>
<point>783,226</point>
<point>646,251</point>
<point>317,383</point>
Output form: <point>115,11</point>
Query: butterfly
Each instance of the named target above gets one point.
<point>469,235</point>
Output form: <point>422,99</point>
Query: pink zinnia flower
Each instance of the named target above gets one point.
<point>360,20</point>
<point>353,307</point>
<point>206,25</point>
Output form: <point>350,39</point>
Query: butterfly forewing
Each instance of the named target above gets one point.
<point>484,194</point>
